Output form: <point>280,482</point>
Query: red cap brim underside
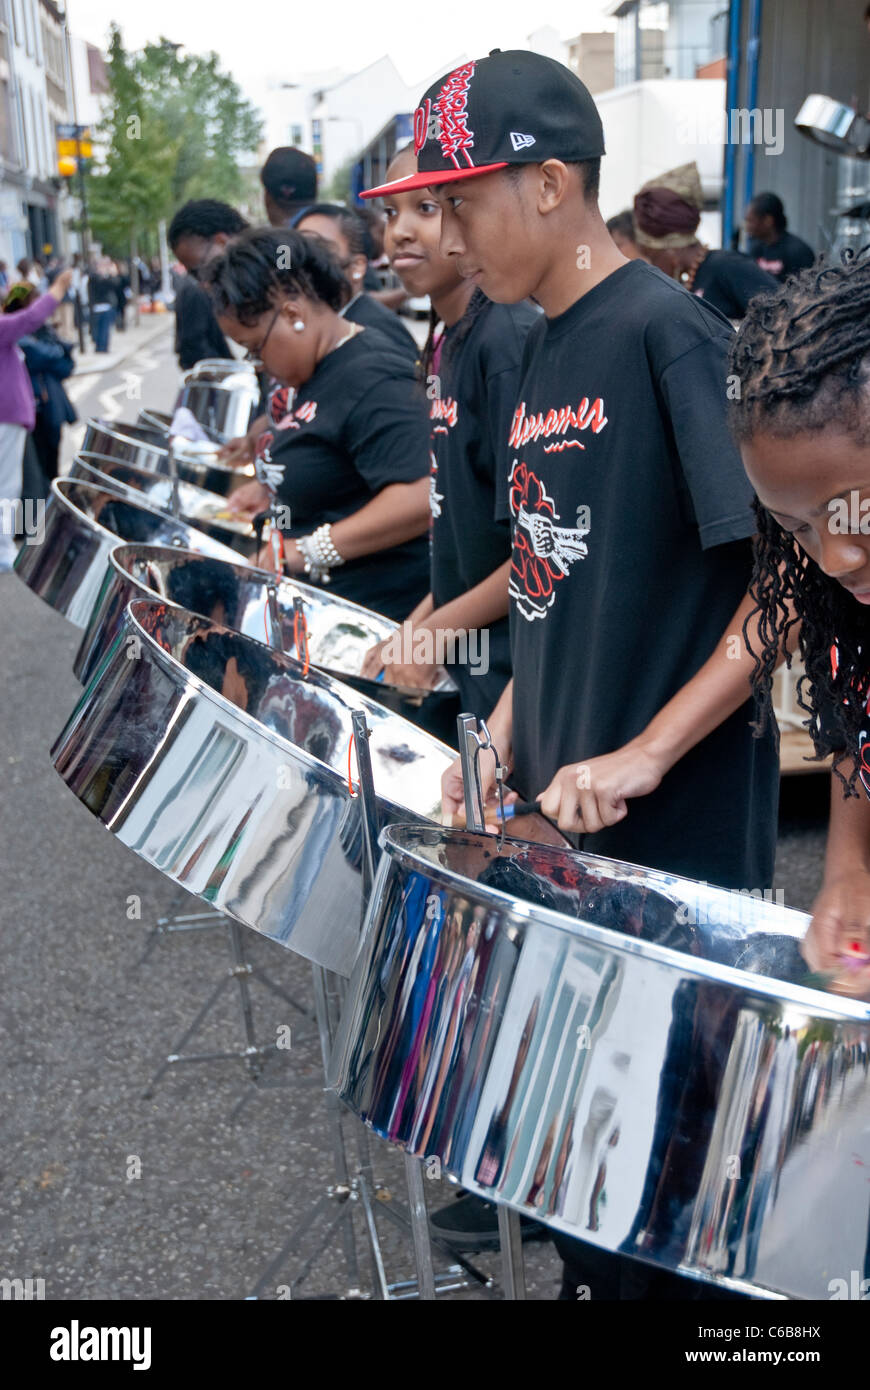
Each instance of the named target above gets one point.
<point>428,180</point>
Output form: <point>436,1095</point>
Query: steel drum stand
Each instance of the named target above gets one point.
<point>241,972</point>
<point>355,1186</point>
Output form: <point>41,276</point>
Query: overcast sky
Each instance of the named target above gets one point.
<point>261,41</point>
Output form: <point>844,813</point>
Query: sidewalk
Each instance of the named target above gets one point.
<point>123,344</point>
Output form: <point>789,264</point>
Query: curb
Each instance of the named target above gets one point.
<point>114,359</point>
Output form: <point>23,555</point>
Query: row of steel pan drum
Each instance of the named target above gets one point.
<point>631,1058</point>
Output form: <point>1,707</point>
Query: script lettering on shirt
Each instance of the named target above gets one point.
<point>444,408</point>
<point>587,415</point>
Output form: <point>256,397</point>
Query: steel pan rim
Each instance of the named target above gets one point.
<point>119,429</point>
<point>212,696</point>
<point>251,572</point>
<point>133,501</point>
<point>91,461</point>
<point>841,1010</point>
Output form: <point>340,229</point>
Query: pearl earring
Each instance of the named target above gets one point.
<point>299,326</point>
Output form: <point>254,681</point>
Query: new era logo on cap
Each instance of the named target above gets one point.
<point>521,142</point>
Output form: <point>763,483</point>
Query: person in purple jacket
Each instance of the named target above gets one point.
<point>17,408</point>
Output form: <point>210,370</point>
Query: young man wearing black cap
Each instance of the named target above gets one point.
<point>631,513</point>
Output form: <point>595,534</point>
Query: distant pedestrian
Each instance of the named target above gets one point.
<point>17,409</point>
<point>102,303</point>
<point>4,278</point>
<point>769,244</point>
<point>49,362</point>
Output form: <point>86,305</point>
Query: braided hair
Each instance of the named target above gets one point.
<point>802,359</point>
<point>477,305</point>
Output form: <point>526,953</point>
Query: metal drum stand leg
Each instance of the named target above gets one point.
<point>240,972</point>
<point>471,745</point>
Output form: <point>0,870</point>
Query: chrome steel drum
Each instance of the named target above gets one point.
<point>208,511</point>
<point>83,524</point>
<point>627,1056</point>
<point>222,765</point>
<point>339,633</point>
<point>145,448</point>
<point>222,395</point>
<point>834,125</point>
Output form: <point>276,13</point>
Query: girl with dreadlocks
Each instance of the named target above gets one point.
<point>802,360</point>
<point>470,368</point>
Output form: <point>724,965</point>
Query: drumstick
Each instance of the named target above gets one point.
<point>516,808</point>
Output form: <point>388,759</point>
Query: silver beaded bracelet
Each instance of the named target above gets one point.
<point>319,554</point>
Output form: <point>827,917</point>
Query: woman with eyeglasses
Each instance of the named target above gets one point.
<point>350,239</point>
<point>347,447</point>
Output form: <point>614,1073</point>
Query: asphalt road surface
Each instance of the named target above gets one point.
<point>188,1193</point>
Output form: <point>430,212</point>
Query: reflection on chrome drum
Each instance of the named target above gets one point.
<point>338,633</point>
<point>223,766</point>
<point>628,1056</point>
<point>83,524</point>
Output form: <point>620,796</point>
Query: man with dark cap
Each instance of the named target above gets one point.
<point>667,211</point>
<point>289,179</point>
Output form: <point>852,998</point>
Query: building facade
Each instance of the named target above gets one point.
<point>33,99</point>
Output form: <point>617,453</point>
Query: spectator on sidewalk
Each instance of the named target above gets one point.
<point>101,302</point>
<point>17,408</point>
<point>4,278</point>
<point>198,232</point>
<point>49,361</point>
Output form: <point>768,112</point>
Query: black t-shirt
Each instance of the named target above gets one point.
<point>356,426</point>
<point>783,257</point>
<point>197,332</point>
<point>371,313</point>
<point>622,412</point>
<point>728,280</point>
<point>478,378</point>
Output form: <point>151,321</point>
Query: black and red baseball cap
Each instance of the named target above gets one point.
<point>510,108</point>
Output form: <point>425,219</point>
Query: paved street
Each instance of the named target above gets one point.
<point>86,1022</point>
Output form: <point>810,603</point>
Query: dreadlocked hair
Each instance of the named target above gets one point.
<point>477,304</point>
<point>802,361</point>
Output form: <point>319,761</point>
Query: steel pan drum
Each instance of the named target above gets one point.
<point>222,395</point>
<point>339,632</point>
<point>83,524</point>
<point>219,763</point>
<point>627,1056</point>
<point>206,510</point>
<point>148,449</point>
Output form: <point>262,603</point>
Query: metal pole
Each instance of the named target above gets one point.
<point>368,802</point>
<point>420,1227</point>
<point>510,1238</point>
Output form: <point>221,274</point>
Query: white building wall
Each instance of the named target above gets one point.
<point>650,127</point>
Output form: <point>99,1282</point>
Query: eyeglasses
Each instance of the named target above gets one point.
<point>255,354</point>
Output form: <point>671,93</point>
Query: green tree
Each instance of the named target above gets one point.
<point>174,128</point>
<point>133,186</point>
<point>206,117</point>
